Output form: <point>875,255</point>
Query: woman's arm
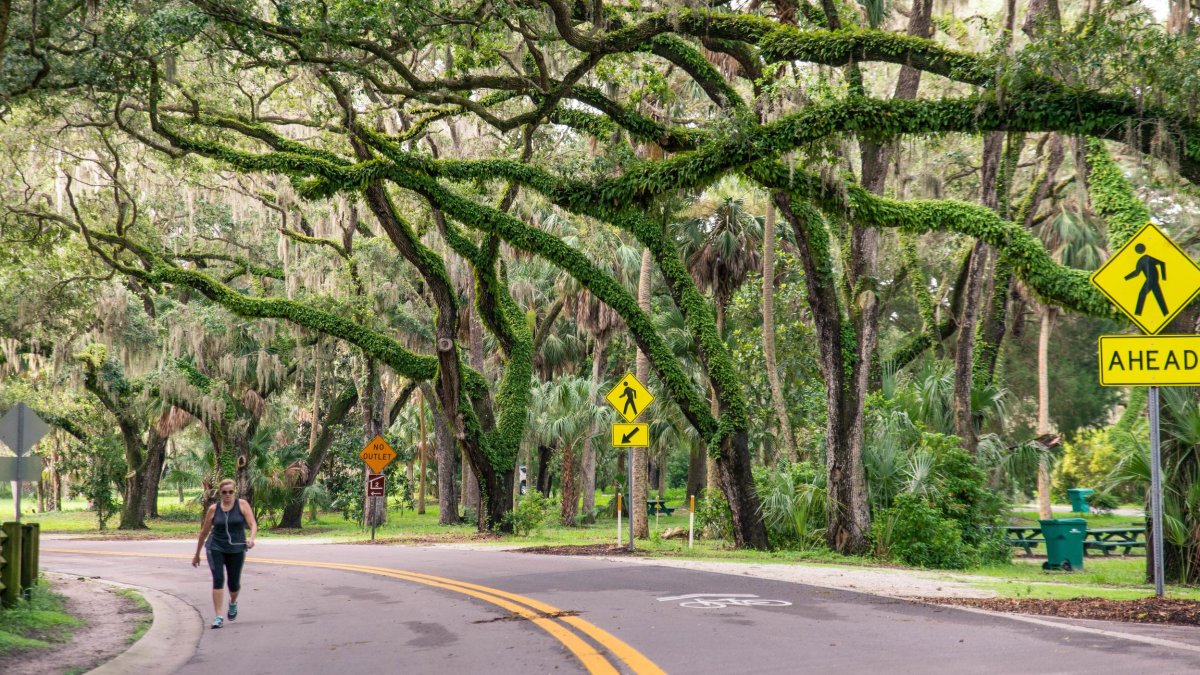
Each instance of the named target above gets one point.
<point>248,514</point>
<point>204,529</point>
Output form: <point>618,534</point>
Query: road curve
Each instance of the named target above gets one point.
<point>356,609</point>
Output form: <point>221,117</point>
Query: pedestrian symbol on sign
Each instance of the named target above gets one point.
<point>1149,267</point>
<point>1136,277</point>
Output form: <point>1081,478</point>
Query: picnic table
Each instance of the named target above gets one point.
<point>1024,536</point>
<point>1107,539</point>
<point>654,506</point>
<point>1104,539</point>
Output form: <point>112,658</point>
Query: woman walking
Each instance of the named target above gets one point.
<point>226,548</point>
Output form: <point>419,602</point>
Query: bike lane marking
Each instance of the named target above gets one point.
<point>538,613</point>
<point>723,600</point>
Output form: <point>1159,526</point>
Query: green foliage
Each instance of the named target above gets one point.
<point>531,513</point>
<point>915,533</point>
<point>1087,461</point>
<point>103,475</point>
<point>713,515</point>
<point>793,504</point>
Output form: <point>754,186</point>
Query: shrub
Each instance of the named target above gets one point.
<point>792,503</point>
<point>1103,502</point>
<point>917,534</point>
<point>714,516</point>
<point>531,513</point>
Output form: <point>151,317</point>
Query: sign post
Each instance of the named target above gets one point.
<point>377,454</point>
<point>1151,280</point>
<point>21,429</point>
<point>629,398</point>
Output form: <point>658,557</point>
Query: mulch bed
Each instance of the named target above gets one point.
<point>581,549</point>
<point>1144,610</point>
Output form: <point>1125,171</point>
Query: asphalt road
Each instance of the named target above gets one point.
<point>357,609</point>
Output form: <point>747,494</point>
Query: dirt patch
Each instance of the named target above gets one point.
<point>581,549</point>
<point>1144,610</point>
<point>108,622</point>
<point>431,539</point>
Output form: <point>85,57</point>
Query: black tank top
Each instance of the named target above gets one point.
<point>228,529</point>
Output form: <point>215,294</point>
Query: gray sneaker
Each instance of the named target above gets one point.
<point>218,622</point>
<point>232,611</point>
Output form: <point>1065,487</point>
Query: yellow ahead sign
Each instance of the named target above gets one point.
<point>377,454</point>
<point>636,435</point>
<point>1150,279</point>
<point>629,398</point>
<point>1149,360</point>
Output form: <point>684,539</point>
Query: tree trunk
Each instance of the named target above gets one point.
<point>1043,421</point>
<point>156,451</point>
<point>293,511</point>
<point>737,483</point>
<point>848,520</point>
<point>543,474</point>
<point>421,458</point>
<point>641,525</point>
<point>447,455</point>
<point>374,508</point>
<point>697,466</point>
<point>570,487</point>
<point>786,445</point>
<point>589,447</point>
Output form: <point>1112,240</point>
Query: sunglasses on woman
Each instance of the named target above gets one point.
<point>226,492</point>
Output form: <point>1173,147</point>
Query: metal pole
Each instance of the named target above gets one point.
<point>1156,507</point>
<point>20,451</point>
<point>629,461</point>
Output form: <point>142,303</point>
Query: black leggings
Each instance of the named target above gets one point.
<point>218,562</point>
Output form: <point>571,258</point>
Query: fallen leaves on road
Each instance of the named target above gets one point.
<point>1143,610</point>
<point>582,549</point>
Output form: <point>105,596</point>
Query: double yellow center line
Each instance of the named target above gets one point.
<point>547,617</point>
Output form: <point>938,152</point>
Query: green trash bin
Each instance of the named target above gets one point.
<point>1079,499</point>
<point>1064,543</point>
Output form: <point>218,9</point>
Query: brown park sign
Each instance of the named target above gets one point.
<point>377,454</point>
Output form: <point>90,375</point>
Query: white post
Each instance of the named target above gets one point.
<point>618,519</point>
<point>691,521</point>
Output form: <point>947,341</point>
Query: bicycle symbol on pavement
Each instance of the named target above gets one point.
<point>723,600</point>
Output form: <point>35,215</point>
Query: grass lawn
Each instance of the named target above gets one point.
<point>36,623</point>
<point>1094,519</point>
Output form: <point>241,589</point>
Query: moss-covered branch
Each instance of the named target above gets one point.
<point>1112,196</point>
<point>1053,283</point>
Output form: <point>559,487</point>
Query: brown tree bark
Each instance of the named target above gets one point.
<point>589,448</point>
<point>1043,419</point>
<point>447,454</point>
<point>641,525</point>
<point>786,446</point>
<point>371,394</point>
<point>293,512</point>
<point>156,451</point>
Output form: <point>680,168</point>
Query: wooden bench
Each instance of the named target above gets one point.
<point>654,506</point>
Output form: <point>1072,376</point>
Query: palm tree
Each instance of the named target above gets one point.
<point>564,413</point>
<point>1072,239</point>
<point>726,237</point>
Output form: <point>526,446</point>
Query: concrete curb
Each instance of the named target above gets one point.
<point>168,645</point>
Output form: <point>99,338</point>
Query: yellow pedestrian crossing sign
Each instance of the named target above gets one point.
<point>629,398</point>
<point>1150,279</point>
<point>636,435</point>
